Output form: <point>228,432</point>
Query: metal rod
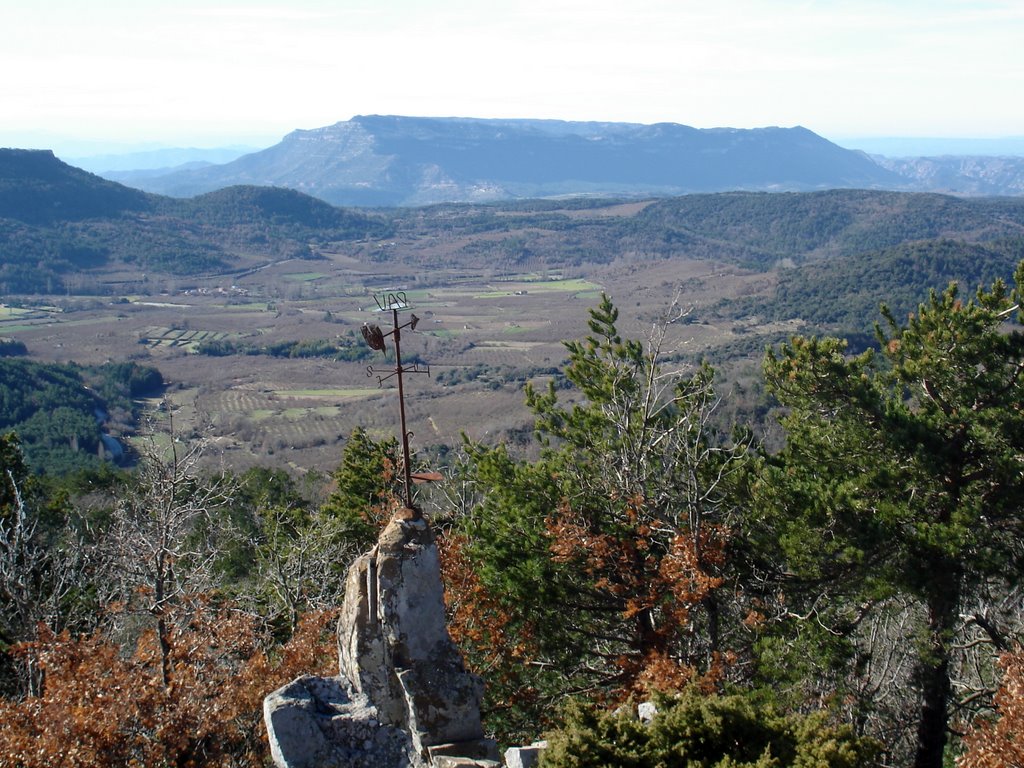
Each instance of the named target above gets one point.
<point>397,334</point>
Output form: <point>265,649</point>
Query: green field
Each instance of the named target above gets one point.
<point>104,320</point>
<point>183,338</point>
<point>256,306</point>
<point>6,311</point>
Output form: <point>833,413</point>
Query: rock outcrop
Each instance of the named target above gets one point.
<point>403,696</point>
<point>315,722</point>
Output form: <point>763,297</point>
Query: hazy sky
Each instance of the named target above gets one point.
<point>213,72</point>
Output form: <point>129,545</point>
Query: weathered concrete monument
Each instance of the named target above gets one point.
<point>403,696</point>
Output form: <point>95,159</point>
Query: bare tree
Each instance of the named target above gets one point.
<point>40,568</point>
<point>157,548</point>
<point>301,559</point>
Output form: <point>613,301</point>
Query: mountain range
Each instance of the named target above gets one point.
<point>158,160</point>
<point>406,161</point>
<point>393,160</point>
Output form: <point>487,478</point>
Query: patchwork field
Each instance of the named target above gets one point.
<point>480,337</point>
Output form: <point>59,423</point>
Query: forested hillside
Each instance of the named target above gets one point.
<point>37,188</point>
<point>764,228</point>
<point>844,293</point>
<point>59,225</point>
<point>60,412</point>
<point>77,228</point>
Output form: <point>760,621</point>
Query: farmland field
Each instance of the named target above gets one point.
<point>261,408</point>
<point>482,335</point>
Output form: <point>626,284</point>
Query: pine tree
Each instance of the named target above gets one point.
<point>609,548</point>
<point>902,472</point>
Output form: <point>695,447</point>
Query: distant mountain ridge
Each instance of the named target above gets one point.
<point>909,146</point>
<point>162,160</point>
<point>394,160</point>
<point>973,175</point>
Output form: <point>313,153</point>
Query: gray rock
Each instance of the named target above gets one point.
<point>317,722</point>
<point>404,696</point>
<point>394,646</point>
<point>523,757</point>
<point>646,711</point>
<point>447,761</point>
<point>484,749</point>
<point>362,655</point>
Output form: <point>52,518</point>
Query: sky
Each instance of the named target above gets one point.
<point>135,74</point>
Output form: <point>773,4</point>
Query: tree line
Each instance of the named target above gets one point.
<point>851,598</point>
<point>344,347</point>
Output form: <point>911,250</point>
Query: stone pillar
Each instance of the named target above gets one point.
<point>395,654</point>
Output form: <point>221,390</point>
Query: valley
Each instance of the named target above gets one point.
<point>249,300</point>
<point>482,338</point>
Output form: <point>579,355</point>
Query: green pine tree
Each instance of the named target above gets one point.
<point>609,548</point>
<point>903,474</point>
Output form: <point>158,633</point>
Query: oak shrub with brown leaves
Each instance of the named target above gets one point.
<point>999,743</point>
<point>102,706</point>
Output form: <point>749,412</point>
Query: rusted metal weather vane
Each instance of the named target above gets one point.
<point>394,303</point>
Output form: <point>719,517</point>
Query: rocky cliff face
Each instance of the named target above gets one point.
<point>960,175</point>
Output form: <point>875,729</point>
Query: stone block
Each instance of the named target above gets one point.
<point>448,761</point>
<point>523,757</point>
<point>317,722</point>
<point>479,749</point>
<point>646,711</point>
<point>403,687</point>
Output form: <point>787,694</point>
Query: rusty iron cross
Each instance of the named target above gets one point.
<point>394,303</point>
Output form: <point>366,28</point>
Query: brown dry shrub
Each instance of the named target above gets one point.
<point>101,706</point>
<point>999,743</point>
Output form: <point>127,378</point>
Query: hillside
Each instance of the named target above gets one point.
<point>761,230</point>
<point>284,208</point>
<point>62,413</point>
<point>754,230</point>
<point>844,294</point>
<point>391,160</point>
<point>37,188</point>
<point>114,236</point>
<point>62,228</point>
